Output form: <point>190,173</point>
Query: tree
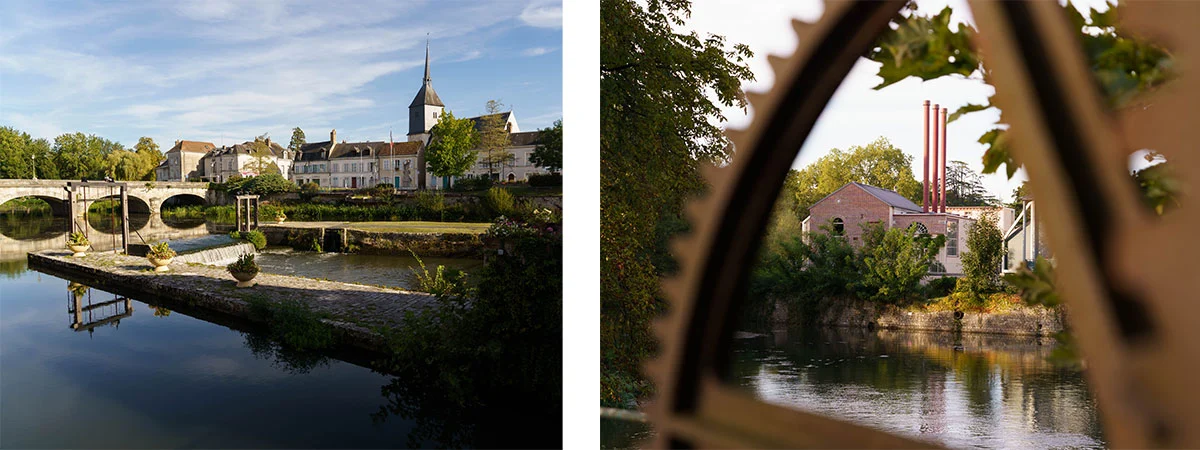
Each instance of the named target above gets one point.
<point>493,137</point>
<point>297,140</point>
<point>16,158</point>
<point>264,159</point>
<point>149,157</point>
<point>79,156</point>
<point>657,125</point>
<point>895,261</point>
<point>964,187</point>
<point>548,152</point>
<point>451,146</point>
<point>984,257</point>
<point>1019,194</point>
<point>878,163</point>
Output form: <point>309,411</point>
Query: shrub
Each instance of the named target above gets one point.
<point>895,265</point>
<point>244,264</point>
<point>309,190</point>
<point>77,238</point>
<point>161,250</point>
<point>940,287</point>
<point>431,202</point>
<point>545,179</point>
<point>499,201</point>
<point>253,236</point>
<point>982,260</point>
<point>381,190</point>
<point>442,282</point>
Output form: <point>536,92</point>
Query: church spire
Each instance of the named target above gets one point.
<point>426,96</point>
<point>427,79</point>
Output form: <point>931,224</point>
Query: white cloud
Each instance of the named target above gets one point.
<point>537,51</point>
<point>543,15</point>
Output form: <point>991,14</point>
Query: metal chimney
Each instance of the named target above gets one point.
<point>942,196</point>
<point>936,165</point>
<point>925,176</point>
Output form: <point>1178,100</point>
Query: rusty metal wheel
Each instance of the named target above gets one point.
<point>1130,279</point>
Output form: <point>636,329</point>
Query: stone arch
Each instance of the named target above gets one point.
<point>185,199</point>
<point>58,206</point>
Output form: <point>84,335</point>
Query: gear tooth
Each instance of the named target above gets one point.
<point>779,65</point>
<point>737,136</point>
<point>674,288</point>
<point>709,171</point>
<point>758,99</point>
<point>801,28</point>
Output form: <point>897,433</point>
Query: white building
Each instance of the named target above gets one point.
<point>222,163</point>
<point>182,161</point>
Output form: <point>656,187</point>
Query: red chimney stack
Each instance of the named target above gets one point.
<point>925,176</point>
<point>933,193</point>
<point>942,195</point>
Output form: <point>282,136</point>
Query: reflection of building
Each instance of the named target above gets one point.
<point>86,316</point>
<point>854,205</point>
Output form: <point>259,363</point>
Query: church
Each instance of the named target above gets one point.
<point>333,164</point>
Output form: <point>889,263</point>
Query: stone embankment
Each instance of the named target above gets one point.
<point>341,237</point>
<point>1032,321</point>
<point>355,311</point>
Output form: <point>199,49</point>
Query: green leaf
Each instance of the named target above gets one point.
<point>965,109</point>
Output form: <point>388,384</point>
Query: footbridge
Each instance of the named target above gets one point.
<point>145,197</point>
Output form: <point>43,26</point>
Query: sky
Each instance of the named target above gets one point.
<point>858,114</point>
<point>226,71</point>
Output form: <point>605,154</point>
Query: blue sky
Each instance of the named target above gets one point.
<point>222,70</point>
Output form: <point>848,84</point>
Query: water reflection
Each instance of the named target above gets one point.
<point>23,233</point>
<point>87,312</point>
<point>958,389</point>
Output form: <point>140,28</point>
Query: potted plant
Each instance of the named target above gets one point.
<point>280,216</point>
<point>160,255</point>
<point>78,243</point>
<point>77,289</point>
<point>244,270</point>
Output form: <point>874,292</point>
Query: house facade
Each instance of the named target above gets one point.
<point>182,162</point>
<point>850,208</point>
<point>353,165</point>
<point>222,163</point>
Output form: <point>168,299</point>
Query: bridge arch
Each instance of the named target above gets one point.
<point>58,206</point>
<point>184,199</point>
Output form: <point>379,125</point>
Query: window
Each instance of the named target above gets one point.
<point>918,229</point>
<point>952,238</point>
<point>839,227</point>
<point>335,180</point>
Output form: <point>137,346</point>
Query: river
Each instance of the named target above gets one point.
<point>85,368</point>
<point>959,390</point>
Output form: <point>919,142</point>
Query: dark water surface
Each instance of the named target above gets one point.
<point>131,373</point>
<point>391,271</point>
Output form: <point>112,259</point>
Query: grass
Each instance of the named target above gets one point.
<point>420,227</point>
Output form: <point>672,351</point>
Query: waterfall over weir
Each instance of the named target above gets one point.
<point>217,256</point>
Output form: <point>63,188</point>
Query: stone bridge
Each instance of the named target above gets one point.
<point>145,197</point>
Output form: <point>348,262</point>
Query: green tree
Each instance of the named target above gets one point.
<point>263,161</point>
<point>451,146</point>
<point>983,259</point>
<point>1019,194</point>
<point>660,98</point>
<point>297,140</point>
<point>17,158</point>
<point>149,157</point>
<point>895,262</point>
<point>878,163</point>
<point>548,152</point>
<point>78,156</point>
<point>493,137</point>
<point>964,187</point>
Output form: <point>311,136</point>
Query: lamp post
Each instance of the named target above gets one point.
<point>33,158</point>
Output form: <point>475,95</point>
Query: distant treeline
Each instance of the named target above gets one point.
<point>74,156</point>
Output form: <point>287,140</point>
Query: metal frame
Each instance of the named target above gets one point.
<point>244,220</point>
<point>1128,278</point>
<point>71,188</point>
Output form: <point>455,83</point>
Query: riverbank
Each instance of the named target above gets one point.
<point>1019,320</point>
<point>438,239</point>
<point>353,312</point>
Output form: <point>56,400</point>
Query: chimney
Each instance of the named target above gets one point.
<point>943,194</point>
<point>925,177</point>
<point>933,194</point>
<point>332,136</point>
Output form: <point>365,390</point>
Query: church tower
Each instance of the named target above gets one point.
<point>426,108</point>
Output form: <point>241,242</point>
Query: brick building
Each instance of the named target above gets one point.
<point>854,205</point>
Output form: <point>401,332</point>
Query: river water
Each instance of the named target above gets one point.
<point>84,368</point>
<point>959,390</point>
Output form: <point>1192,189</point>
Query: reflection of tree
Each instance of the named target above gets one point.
<point>160,311</point>
<point>31,226</point>
<point>291,361</point>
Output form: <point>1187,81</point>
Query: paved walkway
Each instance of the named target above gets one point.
<point>356,308</point>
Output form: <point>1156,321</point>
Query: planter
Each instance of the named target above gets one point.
<point>79,250</point>
<point>160,265</point>
<point>279,221</point>
<point>245,279</point>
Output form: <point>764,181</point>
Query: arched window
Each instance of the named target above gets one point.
<point>839,227</point>
<point>512,178</point>
<point>918,229</point>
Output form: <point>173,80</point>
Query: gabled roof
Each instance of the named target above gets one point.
<point>891,198</point>
<point>313,151</point>
<point>523,138</point>
<point>192,146</point>
<point>478,120</point>
<point>246,148</point>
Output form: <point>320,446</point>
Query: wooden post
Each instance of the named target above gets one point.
<point>70,210</point>
<point>124,220</point>
<point>239,213</point>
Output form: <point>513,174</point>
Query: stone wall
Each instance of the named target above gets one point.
<point>1036,321</point>
<point>341,239</point>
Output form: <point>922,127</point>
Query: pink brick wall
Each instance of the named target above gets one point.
<point>854,206</point>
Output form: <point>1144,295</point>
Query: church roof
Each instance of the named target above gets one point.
<point>523,138</point>
<point>426,96</point>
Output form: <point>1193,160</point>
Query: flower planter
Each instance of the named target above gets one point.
<point>245,279</point>
<point>79,250</point>
<point>160,265</point>
<point>279,221</point>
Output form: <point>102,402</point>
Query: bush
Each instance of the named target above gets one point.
<point>467,184</point>
<point>499,201</point>
<point>545,179</point>
<point>940,287</point>
<point>244,264</point>
<point>309,190</point>
<point>253,236</point>
<point>381,191</point>
<point>161,250</point>
<point>982,260</point>
<point>271,183</point>
<point>442,282</point>
<point>77,238</point>
<point>896,264</point>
